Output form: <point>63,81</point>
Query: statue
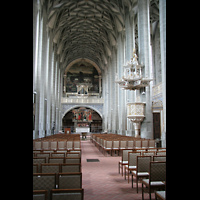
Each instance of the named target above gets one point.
<point>135,61</point>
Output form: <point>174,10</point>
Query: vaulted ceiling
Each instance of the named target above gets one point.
<point>86,28</point>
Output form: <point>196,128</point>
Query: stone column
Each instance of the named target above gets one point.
<point>144,50</point>
<point>162,18</point>
<point>137,129</point>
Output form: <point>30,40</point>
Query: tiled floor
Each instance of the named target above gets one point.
<point>102,181</point>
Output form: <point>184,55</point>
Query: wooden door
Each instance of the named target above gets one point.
<point>156,125</point>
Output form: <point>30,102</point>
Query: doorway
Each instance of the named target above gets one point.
<point>156,125</point>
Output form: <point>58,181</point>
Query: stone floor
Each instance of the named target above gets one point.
<point>102,181</point>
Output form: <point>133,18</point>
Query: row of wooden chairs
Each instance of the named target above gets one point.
<point>139,164</point>
<point>52,181</point>
<point>71,153</point>
<point>56,168</point>
<point>113,142</point>
<point>57,145</point>
<point>77,194</point>
<point>143,151</point>
<point>58,137</point>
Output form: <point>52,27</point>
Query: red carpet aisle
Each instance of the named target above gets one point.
<point>101,180</point>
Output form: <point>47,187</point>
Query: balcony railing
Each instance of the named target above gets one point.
<point>82,100</point>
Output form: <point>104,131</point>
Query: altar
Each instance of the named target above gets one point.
<point>82,129</point>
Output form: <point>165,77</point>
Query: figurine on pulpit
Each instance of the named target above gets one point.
<point>135,61</point>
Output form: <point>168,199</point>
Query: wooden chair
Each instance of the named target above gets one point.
<point>77,145</point>
<point>35,167</point>
<point>160,195</point>
<point>115,147</point>
<point>130,144</point>
<point>138,143</point>
<point>72,154</point>
<point>151,143</point>
<point>142,169</point>
<point>45,145</point>
<point>72,160</point>
<point>159,158</point>
<point>108,147</point>
<point>38,145</point>
<point>124,160</point>
<point>70,180</point>
<point>68,168</point>
<point>50,168</point>
<point>69,145</point>
<point>59,160</point>
<point>61,145</point>
<point>132,159</point>
<point>58,154</point>
<point>39,194</point>
<point>39,160</point>
<point>44,181</point>
<point>157,175</point>
<point>63,194</point>
<point>161,153</point>
<point>147,153</point>
<point>54,145</point>
<point>145,143</point>
<point>122,145</point>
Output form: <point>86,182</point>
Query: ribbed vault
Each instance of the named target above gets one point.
<point>88,28</point>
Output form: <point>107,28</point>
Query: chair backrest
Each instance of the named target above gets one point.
<point>47,155</point>
<point>38,145</point>
<point>152,143</point>
<point>122,144</point>
<point>39,194</point>
<point>163,153</point>
<point>69,180</point>
<point>75,151</point>
<point>39,160</point>
<point>68,168</point>
<point>61,144</point>
<point>70,154</point>
<point>45,145</point>
<point>130,144</point>
<point>50,168</point>
<point>138,143</point>
<point>44,181</point>
<point>69,144</point>
<point>145,143</point>
<point>132,158</point>
<point>63,194</point>
<point>54,145</point>
<point>108,144</point>
<point>58,154</point>
<point>157,171</point>
<point>143,163</point>
<point>70,160</point>
<point>115,144</point>
<point>159,158</point>
<point>35,167</point>
<point>77,145</point>
<point>147,153</point>
<point>125,154</point>
<point>56,160</point>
